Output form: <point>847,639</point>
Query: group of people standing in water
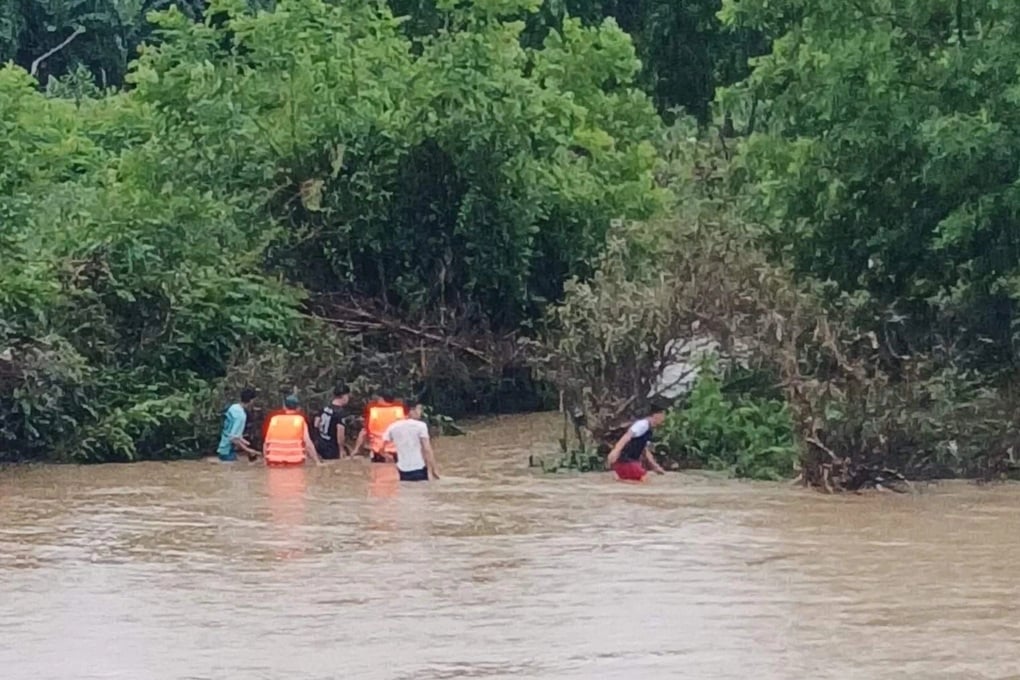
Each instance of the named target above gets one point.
<point>393,433</point>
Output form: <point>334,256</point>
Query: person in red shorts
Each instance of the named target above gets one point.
<point>634,449</point>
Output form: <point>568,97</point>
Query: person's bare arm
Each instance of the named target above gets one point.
<point>310,450</point>
<point>430,458</point>
<point>242,444</point>
<point>650,459</point>
<point>341,435</point>
<point>614,455</point>
<point>359,442</point>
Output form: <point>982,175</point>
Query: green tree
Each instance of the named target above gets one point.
<point>885,157</point>
<point>685,50</point>
<point>122,300</point>
<point>461,170</point>
<point>101,35</point>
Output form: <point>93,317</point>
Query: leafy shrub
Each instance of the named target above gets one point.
<point>931,422</point>
<point>748,437</point>
<point>603,343</point>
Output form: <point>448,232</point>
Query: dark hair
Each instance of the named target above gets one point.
<point>248,394</point>
<point>410,404</point>
<point>341,389</point>
<point>387,395</point>
<point>657,408</point>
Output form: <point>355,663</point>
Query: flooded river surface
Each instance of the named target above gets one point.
<point>200,570</point>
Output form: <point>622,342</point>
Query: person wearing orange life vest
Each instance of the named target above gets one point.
<point>379,415</point>
<point>287,439</point>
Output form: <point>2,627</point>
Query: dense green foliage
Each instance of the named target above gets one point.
<point>462,170</point>
<point>861,413</point>
<point>885,157</point>
<point>120,299</point>
<point>97,37</point>
<point>747,436</point>
<point>685,49</point>
<point>318,145</point>
<point>103,34</point>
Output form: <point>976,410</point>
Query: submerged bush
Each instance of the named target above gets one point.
<point>749,437</point>
<point>930,422</point>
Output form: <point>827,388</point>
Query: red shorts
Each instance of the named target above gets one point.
<point>629,470</point>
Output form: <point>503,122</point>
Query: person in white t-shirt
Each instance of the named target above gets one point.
<point>416,461</point>
<point>634,450</point>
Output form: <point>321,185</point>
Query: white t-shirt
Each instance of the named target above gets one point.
<point>407,435</point>
<point>640,427</point>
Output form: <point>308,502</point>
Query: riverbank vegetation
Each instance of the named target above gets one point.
<point>855,243</point>
<point>484,201</point>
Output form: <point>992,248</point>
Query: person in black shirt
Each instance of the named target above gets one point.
<point>329,425</point>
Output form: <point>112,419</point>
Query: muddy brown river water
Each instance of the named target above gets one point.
<point>201,570</point>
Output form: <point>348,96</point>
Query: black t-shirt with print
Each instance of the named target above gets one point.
<point>332,416</point>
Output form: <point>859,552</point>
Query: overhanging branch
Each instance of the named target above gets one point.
<point>38,62</point>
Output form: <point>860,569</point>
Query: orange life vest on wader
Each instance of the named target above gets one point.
<point>285,440</point>
<point>380,417</point>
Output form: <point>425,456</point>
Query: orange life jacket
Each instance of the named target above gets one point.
<point>381,416</point>
<point>285,440</point>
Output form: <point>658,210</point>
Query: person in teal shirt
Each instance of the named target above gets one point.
<point>232,438</point>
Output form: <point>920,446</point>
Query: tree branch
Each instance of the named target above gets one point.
<point>372,322</point>
<point>38,62</point>
<point>753,117</point>
<point>959,23</point>
<point>814,441</point>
